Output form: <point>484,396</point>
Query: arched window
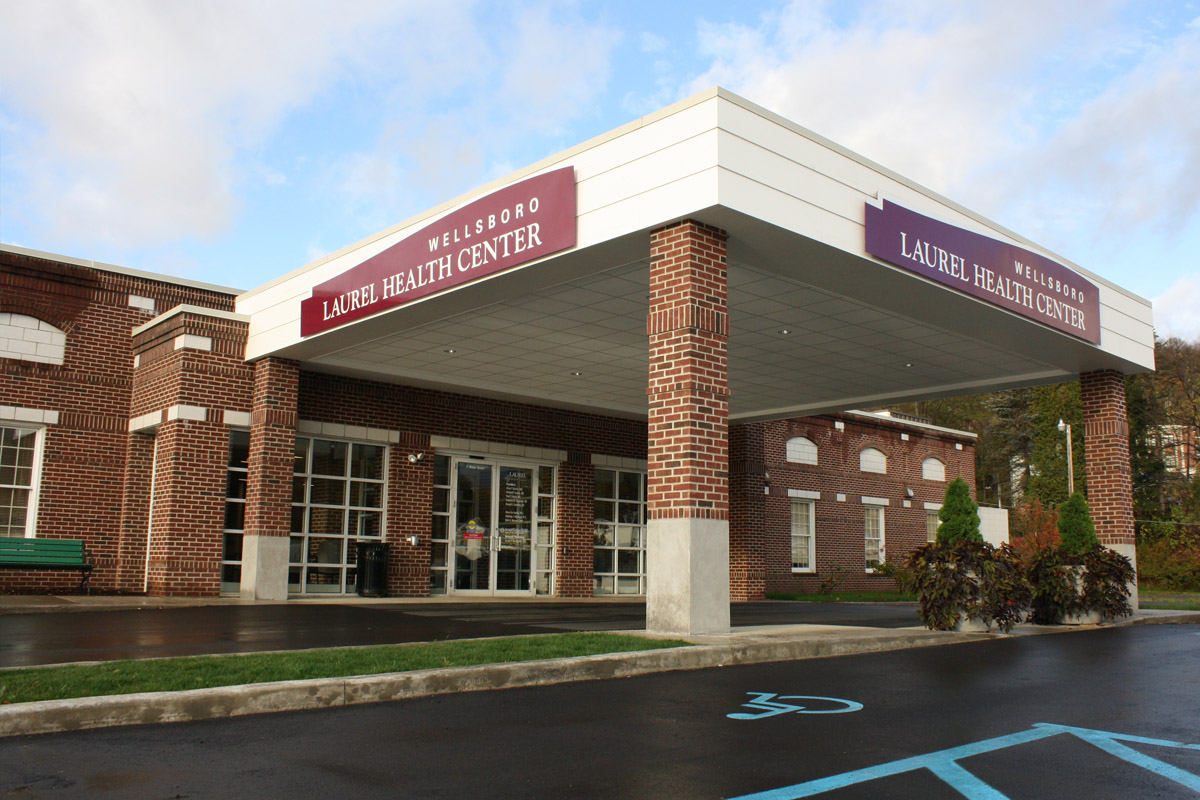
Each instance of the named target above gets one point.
<point>801,451</point>
<point>933,470</point>
<point>30,339</point>
<point>872,460</point>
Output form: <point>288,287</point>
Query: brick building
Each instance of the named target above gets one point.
<point>624,370</point>
<point>136,372</point>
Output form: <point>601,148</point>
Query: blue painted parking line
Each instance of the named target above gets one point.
<point>943,764</point>
<point>771,708</point>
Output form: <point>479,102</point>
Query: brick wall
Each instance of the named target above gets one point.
<point>84,465</point>
<point>760,531</point>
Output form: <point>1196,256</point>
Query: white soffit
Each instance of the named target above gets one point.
<point>861,332</point>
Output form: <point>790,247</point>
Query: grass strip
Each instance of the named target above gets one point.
<point>199,672</point>
<point>1172,606</point>
<point>847,597</point>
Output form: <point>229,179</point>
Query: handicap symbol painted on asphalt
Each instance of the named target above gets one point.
<point>769,707</point>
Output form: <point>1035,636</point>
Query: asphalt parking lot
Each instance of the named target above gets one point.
<point>28,639</point>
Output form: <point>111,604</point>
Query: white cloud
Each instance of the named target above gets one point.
<point>531,72</point>
<point>1087,107</point>
<point>128,115</point>
<point>1177,313</point>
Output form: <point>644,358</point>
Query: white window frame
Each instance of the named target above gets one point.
<point>868,510</point>
<point>35,475</point>
<point>941,467</point>
<point>932,509</point>
<point>811,515</point>
<point>805,450</point>
<point>865,461</point>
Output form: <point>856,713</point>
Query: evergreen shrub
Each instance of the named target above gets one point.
<point>959,515</point>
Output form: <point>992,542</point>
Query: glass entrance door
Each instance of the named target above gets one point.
<point>493,527</point>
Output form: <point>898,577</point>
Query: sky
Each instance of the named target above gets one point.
<point>233,141</point>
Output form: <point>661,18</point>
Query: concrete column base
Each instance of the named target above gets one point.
<point>687,576</point>
<point>264,567</point>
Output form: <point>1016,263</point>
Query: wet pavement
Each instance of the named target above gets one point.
<point>31,638</point>
<point>1097,714</point>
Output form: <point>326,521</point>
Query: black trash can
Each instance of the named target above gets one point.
<point>371,579</point>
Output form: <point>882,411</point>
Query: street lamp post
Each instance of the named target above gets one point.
<point>1066,426</point>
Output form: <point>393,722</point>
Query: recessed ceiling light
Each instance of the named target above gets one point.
<point>450,350</point>
<point>784,331</point>
<point>576,374</point>
<point>908,364</point>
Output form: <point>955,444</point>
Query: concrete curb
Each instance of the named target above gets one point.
<point>51,716</point>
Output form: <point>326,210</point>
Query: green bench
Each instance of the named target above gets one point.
<point>68,554</point>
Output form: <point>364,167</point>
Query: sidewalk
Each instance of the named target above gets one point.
<point>743,645</point>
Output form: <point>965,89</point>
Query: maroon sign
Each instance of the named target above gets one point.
<point>512,226</point>
<point>997,272</point>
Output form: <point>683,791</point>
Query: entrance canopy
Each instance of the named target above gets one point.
<point>952,304</point>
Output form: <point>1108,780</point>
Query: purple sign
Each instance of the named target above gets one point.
<point>505,229</point>
<point>997,272</point>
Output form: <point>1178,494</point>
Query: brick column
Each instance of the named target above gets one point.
<point>409,511</point>
<point>688,448</point>
<point>1106,457</point>
<point>574,539</point>
<point>273,418</point>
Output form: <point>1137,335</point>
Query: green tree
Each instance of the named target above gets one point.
<point>1075,526</point>
<point>1048,459</point>
<point>959,515</point>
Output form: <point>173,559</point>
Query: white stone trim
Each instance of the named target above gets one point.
<point>841,498</point>
<point>193,342</point>
<point>27,338</point>
<point>141,423</point>
<point>185,412</point>
<point>496,448</point>
<point>144,303</point>
<point>618,462</point>
<point>910,423</point>
<point>933,506</point>
<point>876,501</point>
<point>335,430</point>
<point>37,416</point>
<point>803,494</point>
<point>239,419</point>
<point>186,308</point>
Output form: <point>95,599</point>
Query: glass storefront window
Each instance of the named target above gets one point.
<point>237,472</point>
<point>337,498</point>
<point>619,541</point>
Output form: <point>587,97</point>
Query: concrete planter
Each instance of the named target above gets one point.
<point>1087,617</point>
<point>968,625</point>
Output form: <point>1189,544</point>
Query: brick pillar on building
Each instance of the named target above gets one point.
<point>1106,458</point>
<point>135,512</point>
<point>273,418</point>
<point>409,514</point>
<point>188,507</point>
<point>573,542</point>
<point>688,448</point>
<point>747,513</point>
